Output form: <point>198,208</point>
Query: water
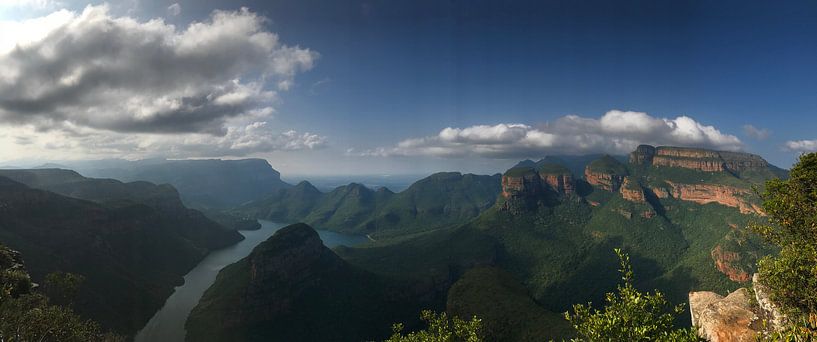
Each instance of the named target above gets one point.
<point>168,323</point>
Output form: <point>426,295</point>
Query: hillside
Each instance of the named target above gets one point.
<point>202,184</point>
<point>548,241</point>
<point>292,288</point>
<point>131,253</point>
<point>440,200</point>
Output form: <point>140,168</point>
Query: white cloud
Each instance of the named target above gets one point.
<point>174,9</point>
<point>756,133</point>
<point>117,73</point>
<point>79,142</point>
<point>615,132</point>
<point>802,145</point>
<point>92,82</point>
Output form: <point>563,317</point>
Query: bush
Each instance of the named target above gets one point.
<point>791,276</point>
<point>629,315</point>
<point>441,329</point>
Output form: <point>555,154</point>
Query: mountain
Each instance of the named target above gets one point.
<point>293,288</point>
<point>132,242</point>
<point>547,243</point>
<point>440,200</point>
<point>202,184</point>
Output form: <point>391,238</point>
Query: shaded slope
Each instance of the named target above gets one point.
<point>293,288</point>
<point>131,256</point>
<point>442,199</point>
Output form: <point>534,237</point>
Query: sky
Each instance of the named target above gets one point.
<point>403,87</point>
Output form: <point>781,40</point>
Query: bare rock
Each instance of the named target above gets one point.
<point>725,319</point>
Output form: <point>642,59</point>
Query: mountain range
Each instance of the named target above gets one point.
<point>133,242</point>
<point>545,242</point>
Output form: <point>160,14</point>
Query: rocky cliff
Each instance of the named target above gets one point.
<point>556,178</point>
<point>606,173</point>
<point>741,316</point>
<point>697,159</point>
<point>630,190</point>
<point>728,262</point>
<point>521,182</point>
<point>715,193</point>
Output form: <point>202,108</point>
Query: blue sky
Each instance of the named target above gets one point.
<point>386,72</point>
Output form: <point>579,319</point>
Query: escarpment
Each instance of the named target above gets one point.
<point>697,159</point>
<point>729,196</point>
<point>606,173</point>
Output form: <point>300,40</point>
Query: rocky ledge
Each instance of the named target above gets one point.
<point>736,317</point>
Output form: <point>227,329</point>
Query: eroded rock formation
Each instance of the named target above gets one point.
<point>630,190</point>
<point>728,263</point>
<point>697,159</point>
<point>725,319</point>
<point>737,317</point>
<point>605,181</point>
<point>715,193</point>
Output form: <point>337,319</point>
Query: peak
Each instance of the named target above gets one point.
<point>289,237</point>
<point>551,168</point>
<point>607,164</point>
<point>519,171</point>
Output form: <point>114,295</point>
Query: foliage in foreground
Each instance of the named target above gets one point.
<point>441,329</point>
<point>791,276</point>
<point>629,315</point>
<point>26,315</point>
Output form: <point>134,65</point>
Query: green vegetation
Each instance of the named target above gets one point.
<point>608,164</point>
<point>131,254</point>
<point>292,288</point>
<point>441,200</point>
<point>26,315</point>
<point>507,311</point>
<point>520,171</point>
<point>629,315</point>
<point>791,275</point>
<point>440,329</point>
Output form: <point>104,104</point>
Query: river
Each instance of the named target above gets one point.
<point>167,324</point>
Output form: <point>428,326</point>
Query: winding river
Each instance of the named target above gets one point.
<point>167,324</point>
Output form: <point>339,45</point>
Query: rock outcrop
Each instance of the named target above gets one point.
<point>714,193</point>
<point>520,182</point>
<point>727,262</point>
<point>725,319</point>
<point>737,317</point>
<point>697,159</point>
<point>630,190</point>
<point>561,183</point>
<point>606,173</point>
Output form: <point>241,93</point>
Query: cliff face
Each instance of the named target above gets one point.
<point>520,184</point>
<point>605,181</point>
<point>630,190</point>
<point>697,159</point>
<point>714,193</point>
<point>561,183</point>
<point>529,182</point>
<point>728,263</point>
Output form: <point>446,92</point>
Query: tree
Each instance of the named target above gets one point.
<point>629,315</point>
<point>61,288</point>
<point>791,275</point>
<point>26,315</point>
<point>440,329</point>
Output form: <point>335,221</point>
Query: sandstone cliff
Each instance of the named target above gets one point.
<point>697,159</point>
<point>714,193</point>
<point>728,263</point>
<point>737,317</point>
<point>630,190</point>
<point>606,173</point>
